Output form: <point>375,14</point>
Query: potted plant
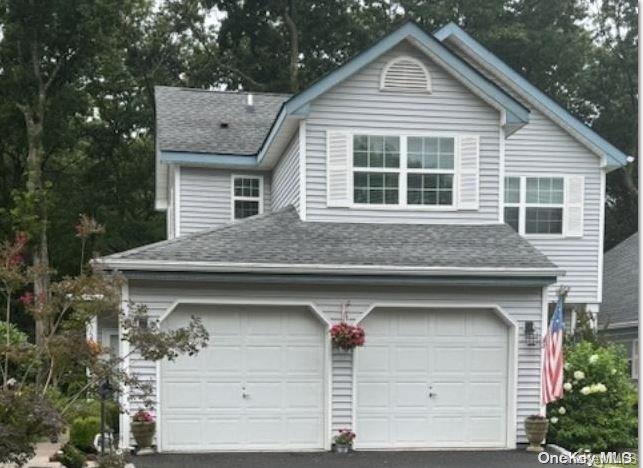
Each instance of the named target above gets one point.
<point>346,337</point>
<point>143,427</point>
<point>344,440</point>
<point>536,427</point>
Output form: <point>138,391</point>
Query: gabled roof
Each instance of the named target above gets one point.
<point>620,284</point>
<point>281,243</point>
<point>537,98</point>
<point>190,120</point>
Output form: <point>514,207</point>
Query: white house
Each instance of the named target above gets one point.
<point>424,186</point>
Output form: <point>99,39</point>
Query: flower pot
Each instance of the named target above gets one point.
<point>341,448</point>
<point>143,433</point>
<point>536,429</point>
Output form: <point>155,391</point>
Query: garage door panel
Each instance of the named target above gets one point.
<point>373,395</point>
<point>448,430</point>
<point>410,395</point>
<point>467,373</point>
<point>411,358</point>
<point>305,359</point>
<point>182,395</point>
<point>449,324</point>
<point>411,430</point>
<point>273,355</point>
<point>374,359</point>
<point>221,395</point>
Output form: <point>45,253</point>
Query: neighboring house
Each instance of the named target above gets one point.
<point>383,188</point>
<point>619,317</point>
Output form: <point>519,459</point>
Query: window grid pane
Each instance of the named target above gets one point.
<point>430,153</point>
<point>246,187</point>
<point>512,189</point>
<point>376,151</point>
<point>245,208</point>
<point>512,217</point>
<point>430,189</point>
<point>545,190</point>
<point>376,188</point>
<point>543,220</point>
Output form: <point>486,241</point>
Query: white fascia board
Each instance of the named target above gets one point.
<point>162,265</point>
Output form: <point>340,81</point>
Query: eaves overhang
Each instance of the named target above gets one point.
<point>614,157</point>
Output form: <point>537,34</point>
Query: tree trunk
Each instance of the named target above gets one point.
<point>34,117</point>
<point>294,47</point>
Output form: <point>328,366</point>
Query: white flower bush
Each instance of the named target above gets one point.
<point>597,411</point>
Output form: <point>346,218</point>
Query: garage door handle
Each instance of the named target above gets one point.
<point>431,394</point>
<point>245,395</point>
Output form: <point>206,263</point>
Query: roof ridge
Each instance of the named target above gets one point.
<point>223,91</point>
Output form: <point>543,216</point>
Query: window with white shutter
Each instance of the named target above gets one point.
<point>544,205</point>
<point>339,147</point>
<point>409,171</point>
<point>468,173</point>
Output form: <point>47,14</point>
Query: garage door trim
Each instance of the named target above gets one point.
<point>254,302</point>
<point>512,371</point>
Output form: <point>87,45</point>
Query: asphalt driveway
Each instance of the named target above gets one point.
<point>435,459</point>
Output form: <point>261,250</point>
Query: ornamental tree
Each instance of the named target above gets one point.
<point>42,382</point>
<point>597,411</point>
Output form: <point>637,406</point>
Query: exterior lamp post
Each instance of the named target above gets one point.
<point>104,392</point>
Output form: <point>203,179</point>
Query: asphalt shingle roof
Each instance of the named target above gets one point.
<point>190,120</point>
<point>620,283</point>
<point>282,238</point>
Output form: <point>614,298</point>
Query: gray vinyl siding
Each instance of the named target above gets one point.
<point>522,304</point>
<point>205,197</point>
<point>358,103</point>
<point>542,147</point>
<point>285,178</point>
<point>622,336</point>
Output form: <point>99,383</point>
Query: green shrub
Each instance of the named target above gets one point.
<point>71,457</point>
<point>597,411</point>
<point>112,460</point>
<point>83,431</point>
<point>91,408</point>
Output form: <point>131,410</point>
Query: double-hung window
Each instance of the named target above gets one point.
<point>403,170</point>
<point>376,175</point>
<point>430,170</point>
<point>535,205</point>
<point>247,195</point>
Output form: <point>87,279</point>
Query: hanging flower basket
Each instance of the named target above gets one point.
<point>346,337</point>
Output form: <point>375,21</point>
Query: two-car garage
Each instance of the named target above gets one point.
<point>426,378</point>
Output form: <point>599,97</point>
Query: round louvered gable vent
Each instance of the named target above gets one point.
<point>406,74</point>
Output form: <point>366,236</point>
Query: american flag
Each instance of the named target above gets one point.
<point>552,375</point>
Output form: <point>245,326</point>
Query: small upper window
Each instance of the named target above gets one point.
<point>406,74</point>
<point>246,196</point>
<point>541,210</point>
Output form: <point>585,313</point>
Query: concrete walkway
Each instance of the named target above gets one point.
<point>435,459</point>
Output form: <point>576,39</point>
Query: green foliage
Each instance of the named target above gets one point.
<point>25,418</point>
<point>86,408</point>
<point>16,337</point>
<point>83,431</point>
<point>72,457</point>
<point>598,410</point>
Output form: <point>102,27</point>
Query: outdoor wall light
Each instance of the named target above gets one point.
<point>530,334</point>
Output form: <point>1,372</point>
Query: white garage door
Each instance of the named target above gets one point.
<point>432,379</point>
<point>258,386</point>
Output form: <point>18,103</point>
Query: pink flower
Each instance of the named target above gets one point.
<point>27,299</point>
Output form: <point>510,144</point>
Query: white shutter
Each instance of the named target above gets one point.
<point>339,146</point>
<point>574,198</point>
<point>468,173</point>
